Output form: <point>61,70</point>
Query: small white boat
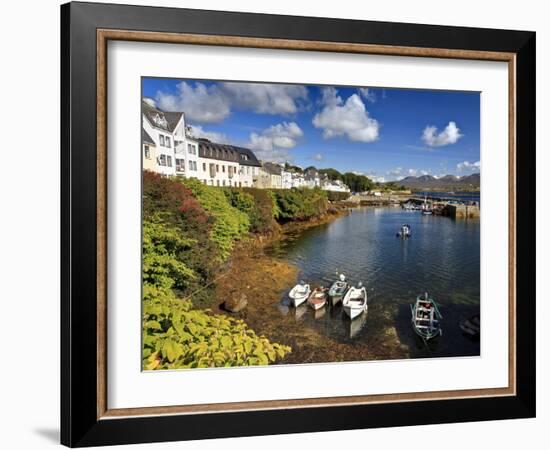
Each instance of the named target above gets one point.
<point>317,298</point>
<point>404,232</point>
<point>355,301</point>
<point>299,293</point>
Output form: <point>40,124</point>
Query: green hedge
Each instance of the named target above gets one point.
<point>300,204</point>
<point>337,196</point>
<point>230,224</point>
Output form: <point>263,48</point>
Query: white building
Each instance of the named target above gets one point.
<point>249,167</point>
<point>166,129</point>
<point>335,186</point>
<point>220,165</point>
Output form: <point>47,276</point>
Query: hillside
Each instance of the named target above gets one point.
<point>446,183</point>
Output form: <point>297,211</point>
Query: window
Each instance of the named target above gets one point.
<point>223,169</point>
<point>147,152</point>
<point>229,182</point>
<point>169,161</point>
<point>190,165</point>
<point>204,166</point>
<point>161,139</point>
<point>217,168</point>
<point>191,149</point>
<point>162,160</point>
<point>167,141</point>
<point>247,170</point>
<point>223,182</point>
<point>180,165</point>
<point>218,182</point>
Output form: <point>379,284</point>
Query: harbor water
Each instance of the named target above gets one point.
<point>442,257</point>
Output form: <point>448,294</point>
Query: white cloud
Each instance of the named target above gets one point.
<point>205,104</point>
<point>349,118</point>
<point>450,135</point>
<point>397,172</point>
<point>417,172</point>
<point>273,143</point>
<point>150,101</point>
<point>318,157</point>
<point>199,132</point>
<point>466,166</point>
<point>367,94</point>
<point>214,103</point>
<point>266,98</point>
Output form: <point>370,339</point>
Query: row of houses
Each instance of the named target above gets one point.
<point>169,148</point>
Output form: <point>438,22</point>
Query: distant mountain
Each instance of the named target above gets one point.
<point>448,182</point>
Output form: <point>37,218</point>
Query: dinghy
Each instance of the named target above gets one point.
<point>471,326</point>
<point>426,318</point>
<point>404,232</point>
<point>338,290</point>
<point>317,298</point>
<point>299,293</point>
<point>355,301</point>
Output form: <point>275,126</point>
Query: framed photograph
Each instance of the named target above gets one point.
<point>276,224</point>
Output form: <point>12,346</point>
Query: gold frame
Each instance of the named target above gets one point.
<point>104,35</point>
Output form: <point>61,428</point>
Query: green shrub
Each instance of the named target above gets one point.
<point>258,205</point>
<point>337,196</point>
<point>179,209</point>
<point>161,269</point>
<point>176,337</point>
<point>300,204</point>
<point>229,225</point>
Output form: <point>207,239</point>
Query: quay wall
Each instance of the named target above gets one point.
<point>463,211</point>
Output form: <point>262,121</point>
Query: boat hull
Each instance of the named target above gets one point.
<point>297,301</point>
<point>353,312</point>
<point>351,305</point>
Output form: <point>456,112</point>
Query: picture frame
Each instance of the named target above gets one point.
<point>86,418</point>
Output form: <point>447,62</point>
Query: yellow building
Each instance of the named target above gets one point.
<point>149,151</point>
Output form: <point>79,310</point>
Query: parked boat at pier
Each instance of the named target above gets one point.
<point>355,301</point>
<point>426,318</point>
<point>338,290</point>
<point>318,298</point>
<point>299,294</point>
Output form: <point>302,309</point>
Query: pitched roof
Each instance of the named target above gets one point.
<point>224,152</point>
<point>145,138</point>
<point>248,158</point>
<point>166,121</point>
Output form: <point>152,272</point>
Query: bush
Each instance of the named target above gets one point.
<point>337,196</point>
<point>161,269</point>
<point>258,205</point>
<point>229,225</point>
<point>300,204</point>
<point>176,207</point>
<point>175,337</point>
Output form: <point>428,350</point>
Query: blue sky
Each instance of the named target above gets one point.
<point>384,133</point>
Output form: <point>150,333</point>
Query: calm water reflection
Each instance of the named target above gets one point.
<point>442,257</point>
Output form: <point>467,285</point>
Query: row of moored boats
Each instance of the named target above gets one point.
<point>425,315</point>
<point>353,298</point>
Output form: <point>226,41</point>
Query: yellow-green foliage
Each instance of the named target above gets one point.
<point>230,223</point>
<point>300,204</point>
<point>162,270</point>
<point>176,337</point>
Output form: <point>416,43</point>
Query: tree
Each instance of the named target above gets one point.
<point>332,174</point>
